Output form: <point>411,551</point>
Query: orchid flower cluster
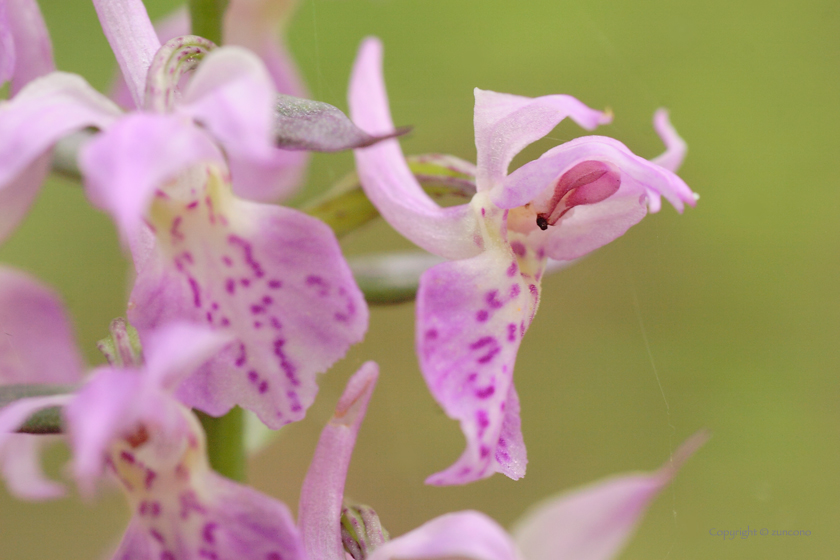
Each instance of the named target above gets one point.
<point>240,303</point>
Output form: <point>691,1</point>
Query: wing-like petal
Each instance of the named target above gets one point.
<point>594,523</point>
<point>32,48</point>
<point>44,111</point>
<point>448,232</point>
<point>20,463</point>
<point>505,124</point>
<point>17,196</point>
<point>322,494</point>
<point>37,344</point>
<point>471,316</point>
<point>273,277</point>
<point>465,534</point>
<point>20,453</point>
<point>126,165</point>
<point>524,184</point>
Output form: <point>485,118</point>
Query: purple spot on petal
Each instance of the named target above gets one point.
<point>166,555</point>
<point>518,248</point>
<point>491,300</point>
<point>257,309</point>
<point>257,324</point>
<point>207,533</point>
<point>314,281</point>
<point>225,321</point>
<point>512,269</point>
<point>273,556</point>
<point>489,355</point>
<point>253,376</point>
<point>511,332</point>
<point>514,290</point>
<point>192,205</point>
<point>485,451</point>
<point>241,358</point>
<point>533,289</point>
<point>263,388</point>
<point>483,341</point>
<point>150,478</point>
<point>195,291</point>
<point>485,392</point>
<point>275,322</point>
<point>157,536</point>
<point>245,282</point>
<point>227,260</point>
<point>431,334</point>
<point>274,284</point>
<point>267,300</point>
<point>482,316</point>
<point>127,457</point>
<point>230,285</point>
<point>483,211</point>
<point>472,377</point>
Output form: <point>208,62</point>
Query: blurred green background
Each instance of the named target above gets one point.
<point>726,317</point>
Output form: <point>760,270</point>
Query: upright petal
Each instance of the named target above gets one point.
<point>505,123</point>
<point>272,277</point>
<point>257,25</point>
<point>595,522</point>
<point>32,47</point>
<point>465,534</point>
<point>448,232</point>
<point>126,165</point>
<point>132,38</point>
<point>17,196</point>
<point>37,344</point>
<point>471,316</point>
<point>322,494</point>
<point>675,147</point>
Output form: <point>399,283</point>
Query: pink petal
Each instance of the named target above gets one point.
<point>675,147</point>
<point>7,46</point>
<point>20,463</point>
<point>448,232</point>
<point>505,123</point>
<point>322,494</point>
<point>272,277</point>
<point>132,38</point>
<point>33,320</point>
<point>465,534</point>
<point>214,518</point>
<point>176,350</point>
<point>124,166</point>
<point>471,316</point>
<point>527,182</point>
<point>20,453</point>
<point>17,196</point>
<point>257,25</point>
<point>594,523</point>
<point>32,48</point>
<point>44,111</point>
<point>232,95</point>
<point>181,508</point>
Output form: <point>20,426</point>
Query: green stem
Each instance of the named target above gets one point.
<point>226,443</point>
<point>206,17</point>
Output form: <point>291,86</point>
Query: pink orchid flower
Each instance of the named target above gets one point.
<point>591,523</point>
<point>472,312</point>
<point>171,176</point>
<point>126,424</point>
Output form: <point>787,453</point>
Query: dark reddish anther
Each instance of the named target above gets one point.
<point>138,438</point>
<point>542,222</point>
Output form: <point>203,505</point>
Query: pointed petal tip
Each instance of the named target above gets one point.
<point>354,401</point>
<point>685,452</point>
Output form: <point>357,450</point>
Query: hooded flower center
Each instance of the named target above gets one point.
<point>589,182</point>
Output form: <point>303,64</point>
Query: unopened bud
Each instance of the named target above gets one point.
<point>361,531</point>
